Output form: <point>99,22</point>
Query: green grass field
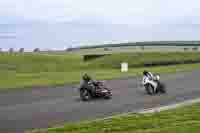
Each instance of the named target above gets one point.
<point>180,120</point>
<point>33,70</point>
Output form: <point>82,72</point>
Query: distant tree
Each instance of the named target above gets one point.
<point>68,49</point>
<point>1,50</point>
<point>36,50</point>
<point>21,50</point>
<point>11,50</point>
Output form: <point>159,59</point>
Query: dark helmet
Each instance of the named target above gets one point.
<point>145,72</point>
<point>86,77</point>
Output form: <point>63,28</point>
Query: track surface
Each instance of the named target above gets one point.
<point>44,107</point>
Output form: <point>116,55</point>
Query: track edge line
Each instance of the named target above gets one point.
<point>142,111</point>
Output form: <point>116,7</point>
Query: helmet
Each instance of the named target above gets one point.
<point>145,72</point>
<point>86,77</point>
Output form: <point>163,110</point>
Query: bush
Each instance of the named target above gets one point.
<point>92,56</point>
<point>186,49</point>
<point>195,49</point>
<point>107,49</point>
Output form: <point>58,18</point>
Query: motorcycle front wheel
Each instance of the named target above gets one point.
<point>85,95</point>
<point>149,89</point>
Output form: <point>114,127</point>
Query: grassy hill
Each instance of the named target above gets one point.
<point>152,43</point>
<point>146,59</point>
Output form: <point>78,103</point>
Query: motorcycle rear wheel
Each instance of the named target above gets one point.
<point>162,88</point>
<point>108,95</point>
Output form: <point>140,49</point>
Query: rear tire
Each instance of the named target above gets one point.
<point>162,88</point>
<point>108,95</point>
<point>85,95</point>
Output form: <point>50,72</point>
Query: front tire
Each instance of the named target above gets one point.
<point>85,95</point>
<point>149,89</point>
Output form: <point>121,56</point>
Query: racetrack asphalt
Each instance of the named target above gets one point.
<point>29,109</point>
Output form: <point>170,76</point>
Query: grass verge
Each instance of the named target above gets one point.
<point>13,80</point>
<point>33,70</point>
<point>180,120</point>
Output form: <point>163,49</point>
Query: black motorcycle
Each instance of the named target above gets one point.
<point>100,90</point>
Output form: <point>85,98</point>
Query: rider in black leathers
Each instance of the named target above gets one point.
<point>88,83</point>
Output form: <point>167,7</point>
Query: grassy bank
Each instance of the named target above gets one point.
<point>181,120</point>
<point>32,70</point>
<point>146,59</point>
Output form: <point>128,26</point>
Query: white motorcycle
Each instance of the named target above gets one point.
<point>152,85</point>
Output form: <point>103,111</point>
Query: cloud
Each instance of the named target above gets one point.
<point>131,12</point>
<point>71,22</point>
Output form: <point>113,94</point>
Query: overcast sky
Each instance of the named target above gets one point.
<point>62,23</point>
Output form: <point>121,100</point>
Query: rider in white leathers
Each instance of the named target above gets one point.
<point>147,74</point>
